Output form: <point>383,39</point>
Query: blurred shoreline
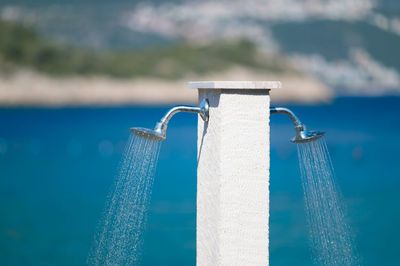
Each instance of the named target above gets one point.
<point>30,88</point>
<point>35,71</point>
<point>348,46</point>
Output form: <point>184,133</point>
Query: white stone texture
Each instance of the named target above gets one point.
<point>233,177</point>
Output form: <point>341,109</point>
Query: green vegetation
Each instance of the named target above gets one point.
<point>21,46</point>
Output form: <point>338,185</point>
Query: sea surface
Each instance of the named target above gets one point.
<point>57,167</point>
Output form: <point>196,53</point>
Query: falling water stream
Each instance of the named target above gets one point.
<point>330,236</point>
<point>118,240</point>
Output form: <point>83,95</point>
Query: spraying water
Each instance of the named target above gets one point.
<point>120,235</point>
<point>119,239</point>
<point>331,240</point>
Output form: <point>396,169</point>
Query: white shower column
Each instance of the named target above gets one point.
<point>233,173</point>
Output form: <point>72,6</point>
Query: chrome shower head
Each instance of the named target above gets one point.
<point>147,133</point>
<point>306,136</point>
<point>302,134</point>
<point>160,130</point>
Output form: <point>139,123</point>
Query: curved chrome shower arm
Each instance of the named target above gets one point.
<point>160,130</point>
<point>163,123</point>
<point>202,110</point>
<point>302,135</point>
<point>296,121</point>
<point>177,109</point>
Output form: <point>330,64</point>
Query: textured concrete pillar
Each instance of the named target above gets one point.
<point>233,174</point>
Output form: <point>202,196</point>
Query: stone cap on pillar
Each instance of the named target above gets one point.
<point>252,85</point>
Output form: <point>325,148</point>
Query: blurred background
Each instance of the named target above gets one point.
<point>75,75</point>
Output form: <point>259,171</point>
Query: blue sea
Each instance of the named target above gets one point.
<point>57,167</point>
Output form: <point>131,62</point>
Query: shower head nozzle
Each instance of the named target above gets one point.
<point>147,133</point>
<point>307,136</point>
<point>160,130</point>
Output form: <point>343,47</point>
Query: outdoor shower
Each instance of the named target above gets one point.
<point>233,163</point>
<point>160,130</point>
<point>232,209</point>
